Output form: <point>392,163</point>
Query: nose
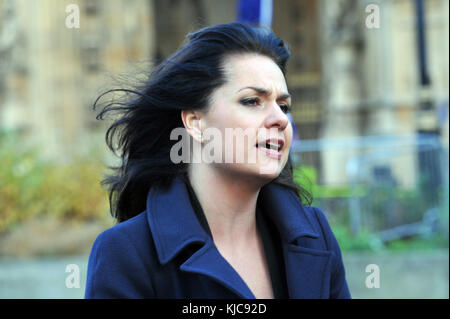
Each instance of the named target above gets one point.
<point>276,118</point>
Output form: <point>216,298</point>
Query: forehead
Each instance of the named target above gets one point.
<point>253,70</point>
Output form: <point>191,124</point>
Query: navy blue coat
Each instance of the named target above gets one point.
<point>165,253</point>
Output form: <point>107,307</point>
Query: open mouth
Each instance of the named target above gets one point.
<point>272,144</point>
<point>271,147</point>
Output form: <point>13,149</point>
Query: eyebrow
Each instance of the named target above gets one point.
<point>266,92</point>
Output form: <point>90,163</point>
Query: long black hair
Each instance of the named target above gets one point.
<point>184,81</point>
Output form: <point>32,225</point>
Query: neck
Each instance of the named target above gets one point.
<point>228,201</point>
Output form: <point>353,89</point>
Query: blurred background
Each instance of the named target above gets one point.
<point>369,81</point>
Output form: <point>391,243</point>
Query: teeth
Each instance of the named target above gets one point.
<point>273,146</point>
<point>270,145</point>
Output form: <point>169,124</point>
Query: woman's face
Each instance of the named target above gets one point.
<point>252,105</point>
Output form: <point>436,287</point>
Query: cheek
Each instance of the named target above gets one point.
<point>224,125</point>
<point>235,121</point>
<point>222,115</point>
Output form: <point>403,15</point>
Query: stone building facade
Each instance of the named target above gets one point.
<point>346,79</point>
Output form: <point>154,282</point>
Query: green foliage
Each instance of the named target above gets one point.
<point>419,243</point>
<point>366,240</point>
<point>383,200</point>
<point>30,186</point>
<point>20,176</point>
<point>363,241</point>
<point>306,176</point>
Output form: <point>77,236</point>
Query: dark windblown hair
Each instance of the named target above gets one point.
<point>184,81</point>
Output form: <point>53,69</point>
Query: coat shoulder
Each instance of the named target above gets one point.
<point>134,234</point>
<point>133,230</point>
<point>119,261</point>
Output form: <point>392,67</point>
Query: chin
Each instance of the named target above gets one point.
<point>267,172</point>
<point>253,172</point>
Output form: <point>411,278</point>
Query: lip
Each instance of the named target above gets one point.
<point>270,152</point>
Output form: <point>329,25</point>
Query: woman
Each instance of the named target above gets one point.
<point>200,228</point>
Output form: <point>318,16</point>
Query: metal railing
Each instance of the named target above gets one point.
<point>397,185</point>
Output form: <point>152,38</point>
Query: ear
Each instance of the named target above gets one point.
<point>192,121</point>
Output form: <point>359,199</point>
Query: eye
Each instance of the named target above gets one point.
<point>252,101</point>
<point>285,108</point>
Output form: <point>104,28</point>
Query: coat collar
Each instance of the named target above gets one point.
<point>174,226</point>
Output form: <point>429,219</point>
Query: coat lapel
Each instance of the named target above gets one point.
<point>174,226</point>
<point>209,262</point>
<point>307,269</point>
